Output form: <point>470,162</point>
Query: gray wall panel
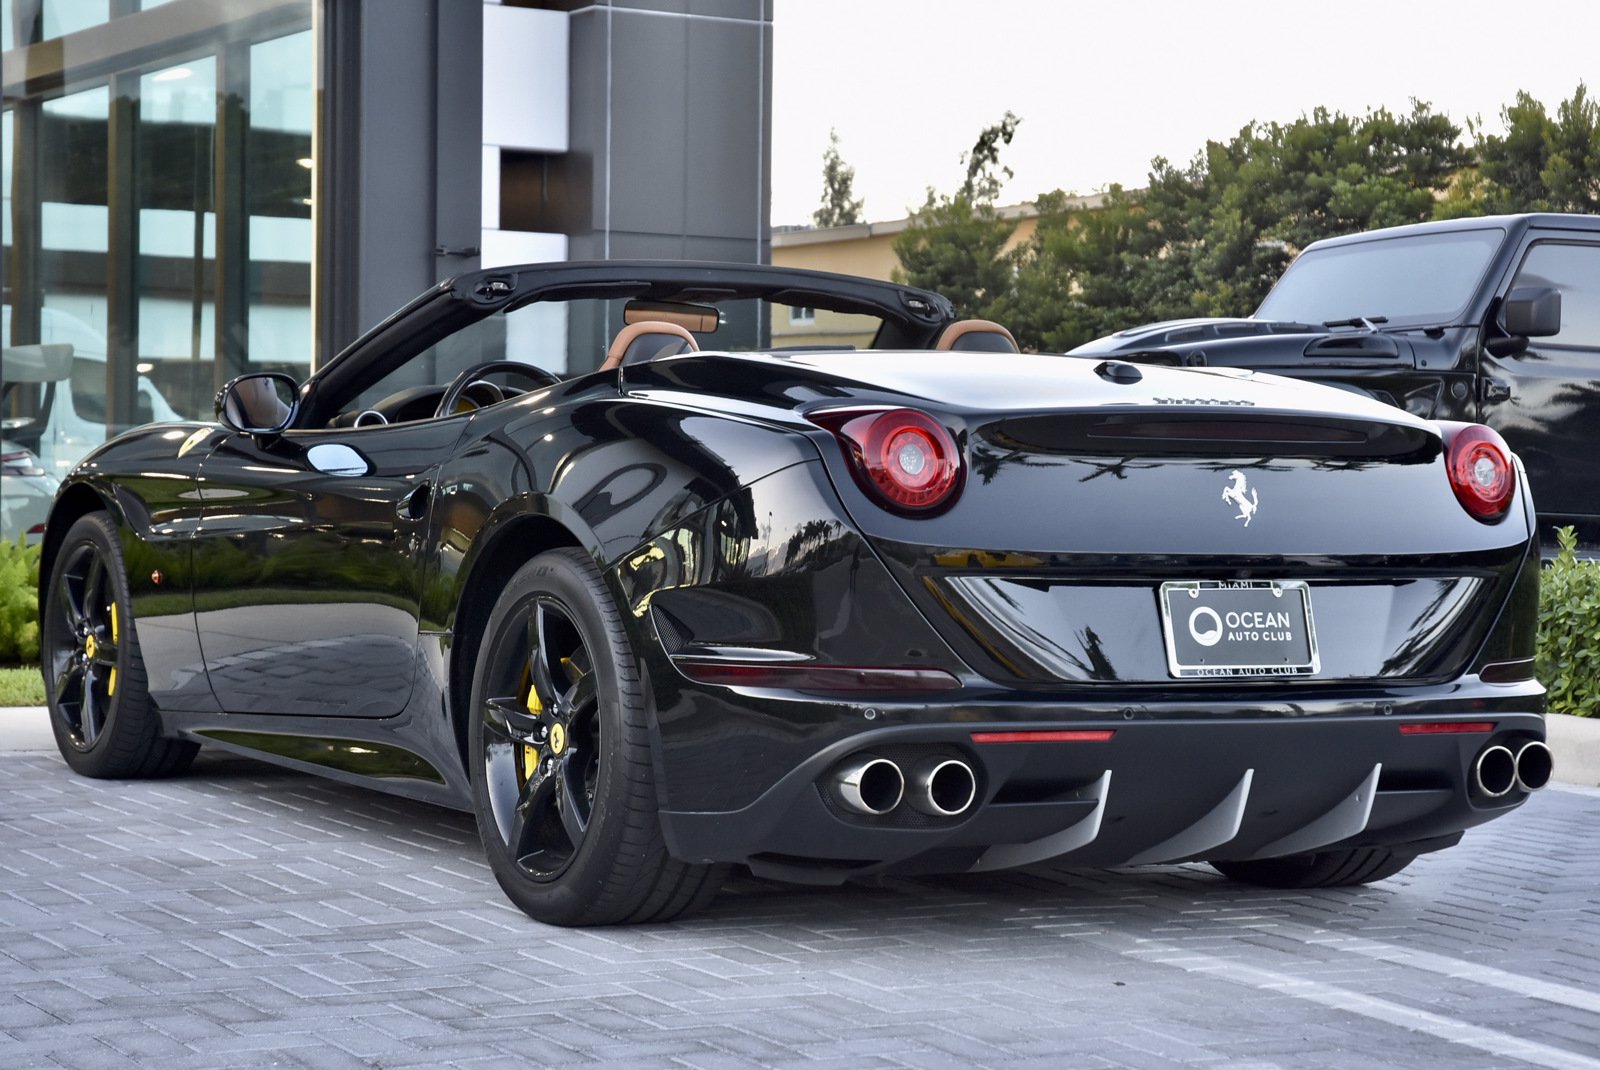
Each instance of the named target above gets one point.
<point>649,121</point>
<point>670,129</point>
<point>725,129</point>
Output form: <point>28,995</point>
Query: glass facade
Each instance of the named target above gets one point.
<point>157,166</point>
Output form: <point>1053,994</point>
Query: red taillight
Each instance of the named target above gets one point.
<point>904,458</point>
<point>1480,468</point>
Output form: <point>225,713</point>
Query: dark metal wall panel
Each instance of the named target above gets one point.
<point>670,128</point>
<point>402,155</point>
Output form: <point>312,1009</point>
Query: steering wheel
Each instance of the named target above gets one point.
<point>458,386</point>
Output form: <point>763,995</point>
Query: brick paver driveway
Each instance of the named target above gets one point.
<point>243,916</point>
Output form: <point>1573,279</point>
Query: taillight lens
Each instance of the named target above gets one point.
<point>904,458</point>
<point>1481,472</point>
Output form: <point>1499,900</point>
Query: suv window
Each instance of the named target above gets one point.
<point>1575,271</point>
<point>1412,280</point>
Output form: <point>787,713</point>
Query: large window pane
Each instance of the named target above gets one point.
<point>54,325</point>
<point>177,239</point>
<point>278,178</point>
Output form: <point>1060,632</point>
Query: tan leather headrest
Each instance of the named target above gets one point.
<point>645,340</point>
<point>984,336</point>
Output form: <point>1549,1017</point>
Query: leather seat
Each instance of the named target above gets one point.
<point>977,336</point>
<point>647,340</point>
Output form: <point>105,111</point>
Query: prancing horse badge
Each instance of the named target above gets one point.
<point>1236,493</point>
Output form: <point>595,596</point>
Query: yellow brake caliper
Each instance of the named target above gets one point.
<point>111,684</point>
<point>530,753</point>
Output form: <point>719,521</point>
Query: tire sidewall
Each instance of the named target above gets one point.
<point>571,895</point>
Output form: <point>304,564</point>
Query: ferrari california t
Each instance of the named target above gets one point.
<point>650,604</point>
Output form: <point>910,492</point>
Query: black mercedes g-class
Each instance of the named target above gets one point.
<point>1494,320</point>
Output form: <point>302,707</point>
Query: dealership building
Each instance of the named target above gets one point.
<point>194,189</point>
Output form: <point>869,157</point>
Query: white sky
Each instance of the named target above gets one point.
<point>1104,87</point>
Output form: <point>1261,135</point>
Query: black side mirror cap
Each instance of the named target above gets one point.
<point>1532,312</point>
<point>261,404</point>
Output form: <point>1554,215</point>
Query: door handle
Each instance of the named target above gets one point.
<point>414,506</point>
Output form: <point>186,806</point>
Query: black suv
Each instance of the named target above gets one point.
<point>1494,320</point>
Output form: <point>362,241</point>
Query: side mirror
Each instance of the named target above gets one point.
<point>259,404</point>
<point>1532,312</point>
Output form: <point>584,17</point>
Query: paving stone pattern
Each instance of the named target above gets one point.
<point>243,916</point>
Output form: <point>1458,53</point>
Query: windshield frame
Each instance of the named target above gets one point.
<point>1291,300</point>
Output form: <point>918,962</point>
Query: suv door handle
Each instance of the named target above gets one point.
<point>1495,390</point>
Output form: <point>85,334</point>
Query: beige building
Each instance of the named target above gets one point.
<point>865,249</point>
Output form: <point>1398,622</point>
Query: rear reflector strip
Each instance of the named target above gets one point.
<point>815,677</point>
<point>1097,735</point>
<point>1438,728</point>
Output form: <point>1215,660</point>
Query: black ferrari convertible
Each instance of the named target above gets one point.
<point>538,547</point>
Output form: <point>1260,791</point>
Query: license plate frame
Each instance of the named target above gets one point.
<point>1238,629</point>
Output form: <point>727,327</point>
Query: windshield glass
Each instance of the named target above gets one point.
<point>1414,280</point>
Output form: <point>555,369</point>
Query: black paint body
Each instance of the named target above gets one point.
<point>331,621</point>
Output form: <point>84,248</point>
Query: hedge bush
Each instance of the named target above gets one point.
<point>19,602</point>
<point>1569,630</point>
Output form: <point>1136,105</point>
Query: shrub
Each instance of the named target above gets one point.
<point>19,602</point>
<point>1569,630</point>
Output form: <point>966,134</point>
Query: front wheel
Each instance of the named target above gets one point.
<point>100,710</point>
<point>1321,869</point>
<point>562,782</point>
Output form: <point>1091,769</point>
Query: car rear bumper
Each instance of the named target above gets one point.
<point>1128,789</point>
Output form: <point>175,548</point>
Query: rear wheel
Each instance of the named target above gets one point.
<point>100,710</point>
<point>1321,869</point>
<point>562,781</point>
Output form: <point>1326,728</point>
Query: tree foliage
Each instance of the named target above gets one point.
<point>1209,237</point>
<point>955,244</point>
<point>840,206</point>
<point>1541,163</point>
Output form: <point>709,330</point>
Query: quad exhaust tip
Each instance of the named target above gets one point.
<point>1535,765</point>
<point>943,787</point>
<point>1494,772</point>
<point>869,785</point>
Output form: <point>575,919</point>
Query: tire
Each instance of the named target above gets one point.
<point>563,786</point>
<point>1323,869</point>
<point>100,710</point>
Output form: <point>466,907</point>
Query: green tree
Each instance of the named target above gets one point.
<point>955,244</point>
<point>1541,163</point>
<point>840,206</point>
<point>1210,238</point>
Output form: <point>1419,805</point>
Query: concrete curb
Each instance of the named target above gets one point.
<point>1575,741</point>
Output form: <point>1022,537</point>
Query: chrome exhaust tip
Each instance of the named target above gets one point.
<point>1494,771</point>
<point>869,785</point>
<point>943,787</point>
<point>1535,765</point>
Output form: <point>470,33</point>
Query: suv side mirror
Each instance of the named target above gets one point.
<point>259,404</point>
<point>1532,312</point>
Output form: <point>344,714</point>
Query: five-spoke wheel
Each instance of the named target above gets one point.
<point>562,781</point>
<point>100,708</point>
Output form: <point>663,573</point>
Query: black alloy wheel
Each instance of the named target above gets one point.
<point>563,785</point>
<point>100,709</point>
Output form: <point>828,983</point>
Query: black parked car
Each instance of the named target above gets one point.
<point>1494,319</point>
<point>822,613</point>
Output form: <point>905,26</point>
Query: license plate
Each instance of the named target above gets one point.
<point>1228,628</point>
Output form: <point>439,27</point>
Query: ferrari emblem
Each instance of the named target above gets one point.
<point>1235,493</point>
<point>558,739</point>
<point>89,645</point>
